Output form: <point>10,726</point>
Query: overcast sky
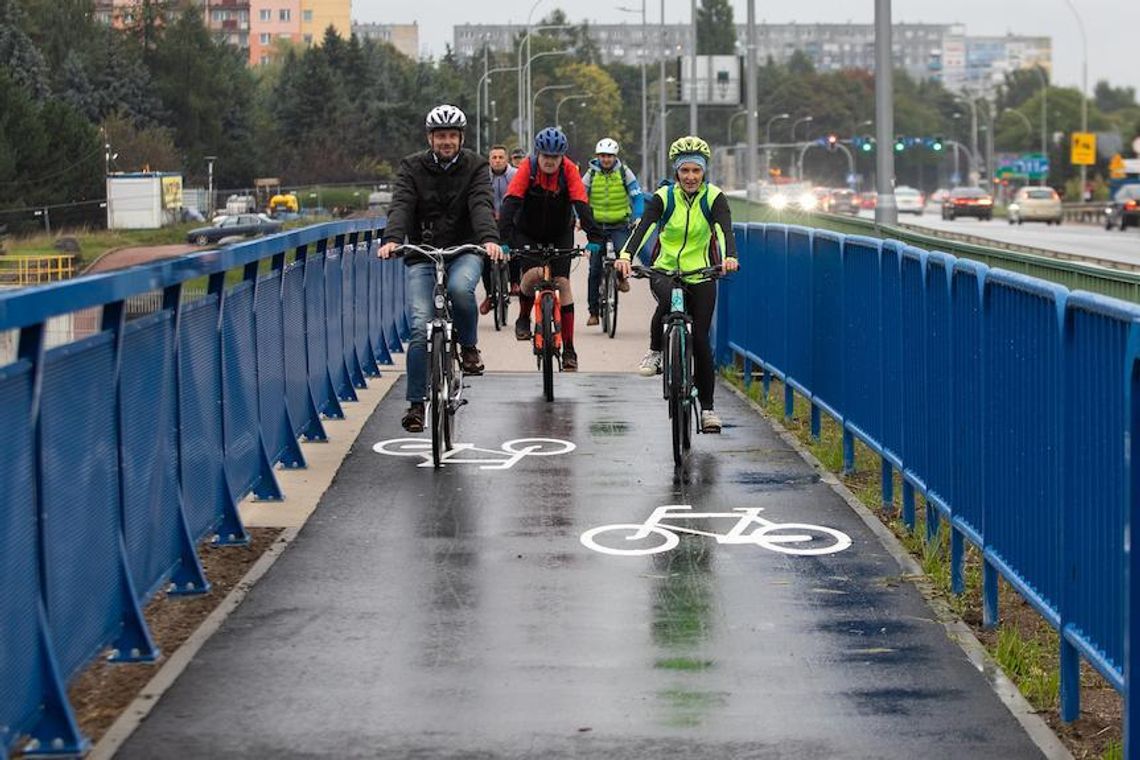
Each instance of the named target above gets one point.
<point>1113,26</point>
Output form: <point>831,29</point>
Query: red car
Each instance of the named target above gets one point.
<point>868,200</point>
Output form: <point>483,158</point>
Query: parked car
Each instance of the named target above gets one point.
<point>1124,211</point>
<point>237,226</point>
<point>968,201</point>
<point>1035,204</point>
<point>909,201</point>
<point>843,202</point>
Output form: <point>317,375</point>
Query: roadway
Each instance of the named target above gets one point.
<point>1080,239</point>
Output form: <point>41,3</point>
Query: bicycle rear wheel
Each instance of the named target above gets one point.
<point>678,407</point>
<point>548,347</point>
<point>451,386</point>
<point>613,289</point>
<point>438,400</point>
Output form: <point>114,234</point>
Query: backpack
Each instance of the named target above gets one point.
<point>562,187</point>
<point>671,206</point>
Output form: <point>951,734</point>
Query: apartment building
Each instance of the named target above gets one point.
<point>404,37</point>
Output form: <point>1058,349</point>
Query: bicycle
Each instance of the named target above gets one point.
<point>608,295</point>
<point>443,351</point>
<point>500,294</point>
<point>802,539</point>
<point>547,338</point>
<point>677,361</point>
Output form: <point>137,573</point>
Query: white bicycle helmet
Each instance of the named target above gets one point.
<point>445,117</point>
<point>606,145</point>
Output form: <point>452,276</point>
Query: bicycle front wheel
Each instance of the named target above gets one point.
<point>495,295</point>
<point>548,347</point>
<point>613,288</point>
<point>606,300</point>
<point>678,404</point>
<point>621,540</point>
<point>438,400</point>
<point>504,302</point>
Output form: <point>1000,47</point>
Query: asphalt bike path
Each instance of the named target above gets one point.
<point>485,610</point>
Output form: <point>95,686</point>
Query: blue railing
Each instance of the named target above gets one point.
<point>124,448</point>
<point>1006,401</point>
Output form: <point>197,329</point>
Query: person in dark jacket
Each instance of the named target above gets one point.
<point>442,198</point>
<point>539,211</point>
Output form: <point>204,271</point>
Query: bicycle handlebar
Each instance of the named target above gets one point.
<point>675,274</point>
<point>433,252</point>
<point>545,253</point>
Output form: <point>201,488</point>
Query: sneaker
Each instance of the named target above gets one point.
<point>650,365</point>
<point>710,422</point>
<point>485,306</point>
<point>569,360</point>
<point>469,360</point>
<point>522,330</point>
<point>413,420</point>
<point>593,320</point>
<point>623,284</point>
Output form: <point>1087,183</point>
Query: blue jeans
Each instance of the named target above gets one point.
<point>618,234</point>
<point>462,277</point>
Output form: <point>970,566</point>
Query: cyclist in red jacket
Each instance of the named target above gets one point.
<point>539,211</point>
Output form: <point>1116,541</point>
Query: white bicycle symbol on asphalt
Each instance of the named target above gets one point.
<point>657,535</point>
<point>503,458</point>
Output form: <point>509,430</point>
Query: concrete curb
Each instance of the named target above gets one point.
<point>1035,726</point>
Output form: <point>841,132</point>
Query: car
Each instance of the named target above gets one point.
<point>1124,212</point>
<point>843,202</point>
<point>235,226</point>
<point>1035,204</point>
<point>909,201</point>
<point>868,200</point>
<point>939,196</point>
<point>968,201</point>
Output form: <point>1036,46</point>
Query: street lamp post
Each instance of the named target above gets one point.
<point>662,116</point>
<point>1084,87</point>
<point>524,70</point>
<point>480,105</point>
<point>768,143</point>
<point>752,186</point>
<point>558,108</point>
<point>732,120</point>
<point>693,71</point>
<point>1044,113</point>
<point>886,212</point>
<point>534,101</point>
<point>803,120</point>
<point>209,186</point>
<point>528,125</point>
<point>1024,118</point>
<point>644,92</point>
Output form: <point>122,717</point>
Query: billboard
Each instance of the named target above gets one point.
<point>717,81</point>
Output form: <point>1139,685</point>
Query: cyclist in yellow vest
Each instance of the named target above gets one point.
<point>694,230</point>
<point>615,199</point>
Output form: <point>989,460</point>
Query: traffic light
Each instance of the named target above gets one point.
<point>867,144</point>
<point>832,141</point>
<point>900,144</point>
<point>936,144</point>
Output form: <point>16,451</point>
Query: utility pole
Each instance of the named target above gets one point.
<point>752,186</point>
<point>886,212</point>
<point>693,78</point>
<point>663,156</point>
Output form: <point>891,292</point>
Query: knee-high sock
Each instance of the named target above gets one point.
<point>526,306</point>
<point>568,326</point>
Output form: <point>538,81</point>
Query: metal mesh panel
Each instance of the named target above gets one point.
<point>271,365</point>
<point>774,297</point>
<point>827,321</point>
<point>21,683</point>
<point>965,384</point>
<point>239,361</point>
<point>81,499</point>
<point>315,329</point>
<point>799,325</point>
<point>150,454</point>
<point>862,337</point>
<point>892,348</point>
<point>296,365</point>
<point>204,488</point>
<point>1023,461</point>
<point>939,448</point>
<point>348,311</point>
<point>361,306</point>
<point>913,386</point>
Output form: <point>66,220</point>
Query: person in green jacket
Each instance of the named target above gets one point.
<point>694,231</point>
<point>615,199</point>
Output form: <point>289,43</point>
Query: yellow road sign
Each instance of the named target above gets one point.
<point>1083,149</point>
<point>1116,167</point>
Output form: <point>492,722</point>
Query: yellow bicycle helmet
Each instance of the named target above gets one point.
<point>689,145</point>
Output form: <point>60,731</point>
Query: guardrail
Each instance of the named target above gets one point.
<point>36,270</point>
<point>1107,277</point>
<point>1006,401</point>
<point>1084,213</point>
<point>124,449</point>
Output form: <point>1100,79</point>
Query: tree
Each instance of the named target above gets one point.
<point>1109,98</point>
<point>150,148</point>
<point>603,110</point>
<point>716,31</point>
<point>18,54</point>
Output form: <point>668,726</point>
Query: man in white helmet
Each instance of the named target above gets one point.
<point>442,198</point>
<point>615,199</point>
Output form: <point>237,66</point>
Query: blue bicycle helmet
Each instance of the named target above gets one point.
<point>551,141</point>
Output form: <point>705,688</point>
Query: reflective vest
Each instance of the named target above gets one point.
<point>609,198</point>
<point>685,237</point>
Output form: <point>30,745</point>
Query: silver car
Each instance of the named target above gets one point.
<point>1035,204</point>
<point>909,201</point>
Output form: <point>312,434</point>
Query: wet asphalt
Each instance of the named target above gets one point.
<point>457,613</point>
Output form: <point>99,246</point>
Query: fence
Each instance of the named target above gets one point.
<point>125,448</point>
<point>1006,401</point>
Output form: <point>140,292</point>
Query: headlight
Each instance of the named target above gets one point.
<point>779,202</point>
<point>807,201</point>
<point>1014,207</point>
